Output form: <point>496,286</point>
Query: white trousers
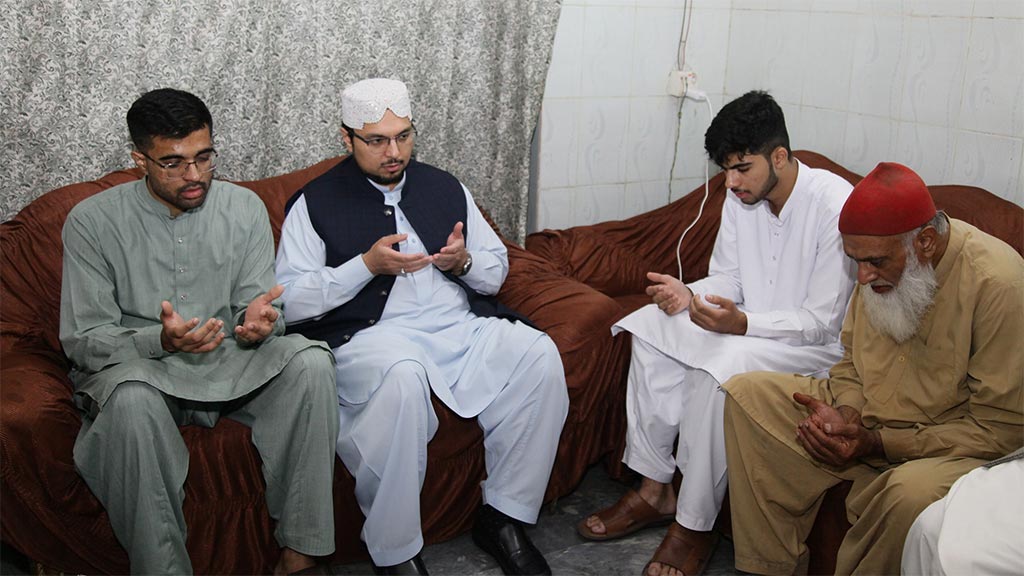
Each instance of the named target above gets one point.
<point>977,528</point>
<point>383,443</point>
<point>665,400</point>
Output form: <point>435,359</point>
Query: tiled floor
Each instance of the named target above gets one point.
<point>566,552</point>
<point>555,535</point>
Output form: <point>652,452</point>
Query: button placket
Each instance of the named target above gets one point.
<point>179,256</point>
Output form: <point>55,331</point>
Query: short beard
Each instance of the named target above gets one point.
<point>386,180</point>
<point>769,185</point>
<point>898,313</point>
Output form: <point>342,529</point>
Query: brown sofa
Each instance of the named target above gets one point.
<point>573,284</point>
<point>48,513</point>
<point>613,257</point>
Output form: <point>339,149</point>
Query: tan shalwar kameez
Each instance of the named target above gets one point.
<point>944,402</point>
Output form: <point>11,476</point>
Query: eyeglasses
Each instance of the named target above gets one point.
<point>381,143</point>
<point>204,162</point>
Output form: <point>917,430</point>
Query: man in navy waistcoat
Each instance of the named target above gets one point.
<point>390,261</point>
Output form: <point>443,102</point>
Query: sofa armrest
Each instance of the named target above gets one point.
<point>614,257</point>
<point>42,493</point>
<point>576,317</point>
<point>586,256</point>
<point>578,320</point>
<point>40,421</point>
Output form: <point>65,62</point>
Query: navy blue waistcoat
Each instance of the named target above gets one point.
<point>350,215</point>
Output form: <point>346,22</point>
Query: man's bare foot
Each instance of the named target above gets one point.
<point>656,569</point>
<point>292,561</point>
<point>682,552</point>
<point>660,496</point>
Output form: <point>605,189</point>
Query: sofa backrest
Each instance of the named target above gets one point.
<point>990,213</point>
<point>276,191</point>
<point>31,251</point>
<point>613,257</point>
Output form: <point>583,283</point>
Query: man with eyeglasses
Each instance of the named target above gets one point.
<point>168,318</point>
<point>930,387</point>
<point>390,261</point>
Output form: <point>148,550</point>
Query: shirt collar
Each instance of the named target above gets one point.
<point>390,196</point>
<point>957,237</point>
<point>158,208</point>
<point>797,199</point>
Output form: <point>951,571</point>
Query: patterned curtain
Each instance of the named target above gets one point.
<point>272,72</point>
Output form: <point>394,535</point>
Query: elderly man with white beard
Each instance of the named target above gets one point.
<point>929,387</point>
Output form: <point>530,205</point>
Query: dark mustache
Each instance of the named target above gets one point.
<point>204,185</point>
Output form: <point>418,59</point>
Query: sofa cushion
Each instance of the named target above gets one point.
<point>32,251</point>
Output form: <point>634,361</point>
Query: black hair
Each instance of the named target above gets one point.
<point>750,124</point>
<point>166,113</point>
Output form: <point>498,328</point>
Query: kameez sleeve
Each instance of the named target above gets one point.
<point>91,329</point>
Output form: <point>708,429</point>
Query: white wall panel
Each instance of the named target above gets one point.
<point>602,158</point>
<point>934,84</point>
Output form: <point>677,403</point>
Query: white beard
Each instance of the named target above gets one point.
<point>898,313</point>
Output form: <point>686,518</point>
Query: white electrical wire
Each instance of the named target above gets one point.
<point>707,192</point>
<point>684,35</point>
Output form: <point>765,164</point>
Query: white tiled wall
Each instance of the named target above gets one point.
<point>934,84</point>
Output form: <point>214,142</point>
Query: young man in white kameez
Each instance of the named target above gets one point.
<point>390,261</point>
<point>774,299</point>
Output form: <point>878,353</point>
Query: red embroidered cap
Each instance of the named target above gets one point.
<point>891,200</point>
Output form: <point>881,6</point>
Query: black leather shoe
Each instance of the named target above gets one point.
<point>504,539</point>
<point>411,566</point>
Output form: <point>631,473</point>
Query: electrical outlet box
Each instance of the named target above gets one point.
<point>681,81</point>
<point>676,86</point>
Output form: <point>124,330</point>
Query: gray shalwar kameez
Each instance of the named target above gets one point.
<point>123,255</point>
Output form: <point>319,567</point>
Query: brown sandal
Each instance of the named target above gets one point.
<point>630,514</point>
<point>685,550</point>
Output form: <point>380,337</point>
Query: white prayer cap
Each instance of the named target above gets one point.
<point>366,101</point>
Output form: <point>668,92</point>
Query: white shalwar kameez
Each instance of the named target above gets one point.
<point>506,374</point>
<point>789,275</point>
<point>976,528</point>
